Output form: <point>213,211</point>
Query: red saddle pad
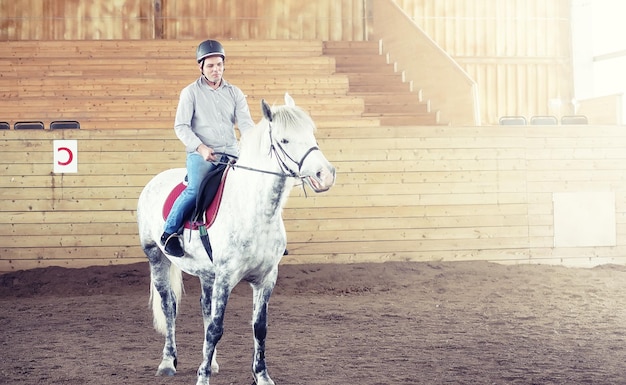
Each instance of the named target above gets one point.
<point>211,211</point>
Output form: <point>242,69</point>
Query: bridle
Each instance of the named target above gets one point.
<point>281,158</point>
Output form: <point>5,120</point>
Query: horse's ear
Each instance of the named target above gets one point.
<point>267,111</point>
<point>289,100</point>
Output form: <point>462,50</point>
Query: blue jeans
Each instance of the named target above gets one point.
<point>197,169</point>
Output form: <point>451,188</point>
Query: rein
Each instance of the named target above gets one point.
<point>234,165</point>
<point>286,171</point>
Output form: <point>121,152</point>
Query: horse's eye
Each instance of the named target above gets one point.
<point>284,141</point>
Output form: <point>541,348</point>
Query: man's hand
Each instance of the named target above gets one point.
<point>207,153</point>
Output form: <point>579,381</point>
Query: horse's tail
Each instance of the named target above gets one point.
<point>176,286</point>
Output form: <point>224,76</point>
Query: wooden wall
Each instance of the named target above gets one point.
<point>433,193</point>
<point>76,19</point>
<point>517,51</point>
<point>264,19</point>
<point>180,19</point>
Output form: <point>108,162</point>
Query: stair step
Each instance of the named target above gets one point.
<point>366,61</point>
<point>383,97</point>
<point>385,94</point>
<point>360,48</point>
<point>396,108</point>
<point>386,87</point>
<point>401,119</point>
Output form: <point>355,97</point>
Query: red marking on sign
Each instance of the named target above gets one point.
<point>70,156</point>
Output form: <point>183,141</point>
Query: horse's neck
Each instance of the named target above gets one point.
<point>260,188</point>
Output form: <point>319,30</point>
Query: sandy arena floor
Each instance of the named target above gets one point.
<point>367,324</point>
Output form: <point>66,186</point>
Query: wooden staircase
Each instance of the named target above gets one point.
<point>387,97</point>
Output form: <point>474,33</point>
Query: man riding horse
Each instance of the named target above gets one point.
<point>207,112</point>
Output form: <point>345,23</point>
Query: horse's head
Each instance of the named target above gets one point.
<point>292,137</point>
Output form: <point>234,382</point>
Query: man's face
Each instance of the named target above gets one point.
<point>213,68</point>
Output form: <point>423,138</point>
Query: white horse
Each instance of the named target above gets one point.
<point>247,237</point>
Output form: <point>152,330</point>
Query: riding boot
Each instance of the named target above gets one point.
<point>171,244</point>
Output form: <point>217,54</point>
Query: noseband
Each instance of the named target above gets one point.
<point>275,146</point>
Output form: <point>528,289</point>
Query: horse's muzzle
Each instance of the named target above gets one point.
<point>322,181</point>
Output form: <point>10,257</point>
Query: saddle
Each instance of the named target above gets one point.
<point>207,203</point>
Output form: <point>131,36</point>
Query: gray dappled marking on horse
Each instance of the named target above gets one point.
<point>248,236</point>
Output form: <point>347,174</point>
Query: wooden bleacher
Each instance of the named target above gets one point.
<point>135,84</point>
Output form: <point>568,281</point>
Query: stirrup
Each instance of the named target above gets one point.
<point>179,252</point>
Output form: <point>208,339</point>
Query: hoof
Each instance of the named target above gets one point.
<point>166,372</point>
<point>167,367</point>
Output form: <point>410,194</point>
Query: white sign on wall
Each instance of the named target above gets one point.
<point>65,156</point>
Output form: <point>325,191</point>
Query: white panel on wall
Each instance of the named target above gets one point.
<point>584,219</point>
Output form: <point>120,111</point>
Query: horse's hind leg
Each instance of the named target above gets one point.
<point>166,281</point>
<point>206,282</point>
<point>261,297</point>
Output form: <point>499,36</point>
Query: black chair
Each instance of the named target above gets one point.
<point>64,124</point>
<point>574,119</point>
<point>512,121</point>
<point>29,125</point>
<point>4,126</point>
<point>544,120</point>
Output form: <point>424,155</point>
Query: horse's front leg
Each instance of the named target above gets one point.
<point>261,299</point>
<point>214,329</point>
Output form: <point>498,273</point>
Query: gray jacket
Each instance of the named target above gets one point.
<point>208,116</point>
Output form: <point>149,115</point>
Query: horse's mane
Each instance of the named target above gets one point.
<point>292,116</point>
<point>283,117</point>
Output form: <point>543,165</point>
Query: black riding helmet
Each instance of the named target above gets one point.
<point>209,48</point>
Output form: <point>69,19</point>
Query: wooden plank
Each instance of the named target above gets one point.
<point>407,200</point>
<point>364,223</point>
<point>404,246</point>
<point>72,263</point>
<point>183,49</point>
<point>76,217</point>
<point>70,253</point>
<point>405,211</point>
<point>68,240</point>
<point>293,226</point>
<point>58,229</point>
<point>423,234</point>
<point>368,229</point>
<point>445,235</point>
<point>294,214</point>
<point>510,256</point>
<point>95,205</point>
<point>71,193</point>
<point>70,205</point>
<point>74,180</point>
